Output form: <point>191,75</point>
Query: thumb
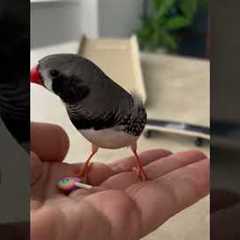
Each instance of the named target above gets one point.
<point>49,141</point>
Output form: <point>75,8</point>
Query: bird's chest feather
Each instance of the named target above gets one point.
<point>108,138</point>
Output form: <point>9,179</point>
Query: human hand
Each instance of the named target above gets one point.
<point>119,206</point>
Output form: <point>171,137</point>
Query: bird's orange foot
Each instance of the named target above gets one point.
<point>140,173</point>
<point>83,173</point>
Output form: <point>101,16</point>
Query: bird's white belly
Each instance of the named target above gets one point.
<point>108,138</point>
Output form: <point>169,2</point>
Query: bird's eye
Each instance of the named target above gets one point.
<point>54,73</point>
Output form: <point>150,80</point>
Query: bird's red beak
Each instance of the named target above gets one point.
<point>35,76</point>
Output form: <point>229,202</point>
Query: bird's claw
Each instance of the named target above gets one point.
<point>83,173</point>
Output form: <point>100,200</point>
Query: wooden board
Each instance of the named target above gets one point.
<point>119,59</point>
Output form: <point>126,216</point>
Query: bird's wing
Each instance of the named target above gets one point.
<point>105,105</point>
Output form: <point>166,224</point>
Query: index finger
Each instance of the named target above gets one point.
<point>49,141</point>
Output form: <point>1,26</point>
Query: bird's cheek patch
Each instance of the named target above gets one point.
<point>75,94</point>
<point>70,88</point>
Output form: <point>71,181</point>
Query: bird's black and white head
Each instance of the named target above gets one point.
<point>63,74</point>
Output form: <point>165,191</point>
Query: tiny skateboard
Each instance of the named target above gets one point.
<point>200,133</point>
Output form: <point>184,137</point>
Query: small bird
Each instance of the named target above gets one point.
<point>102,111</point>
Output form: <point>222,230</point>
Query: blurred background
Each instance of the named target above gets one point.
<point>173,50</point>
<point>179,26</point>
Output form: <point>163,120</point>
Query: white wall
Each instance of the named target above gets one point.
<point>119,18</point>
<point>54,22</point>
<point>57,22</point>
<point>89,17</point>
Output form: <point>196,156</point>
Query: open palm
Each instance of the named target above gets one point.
<point>119,206</point>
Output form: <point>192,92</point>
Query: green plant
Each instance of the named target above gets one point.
<point>159,30</point>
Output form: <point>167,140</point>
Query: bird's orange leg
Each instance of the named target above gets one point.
<point>139,169</point>
<point>84,170</point>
